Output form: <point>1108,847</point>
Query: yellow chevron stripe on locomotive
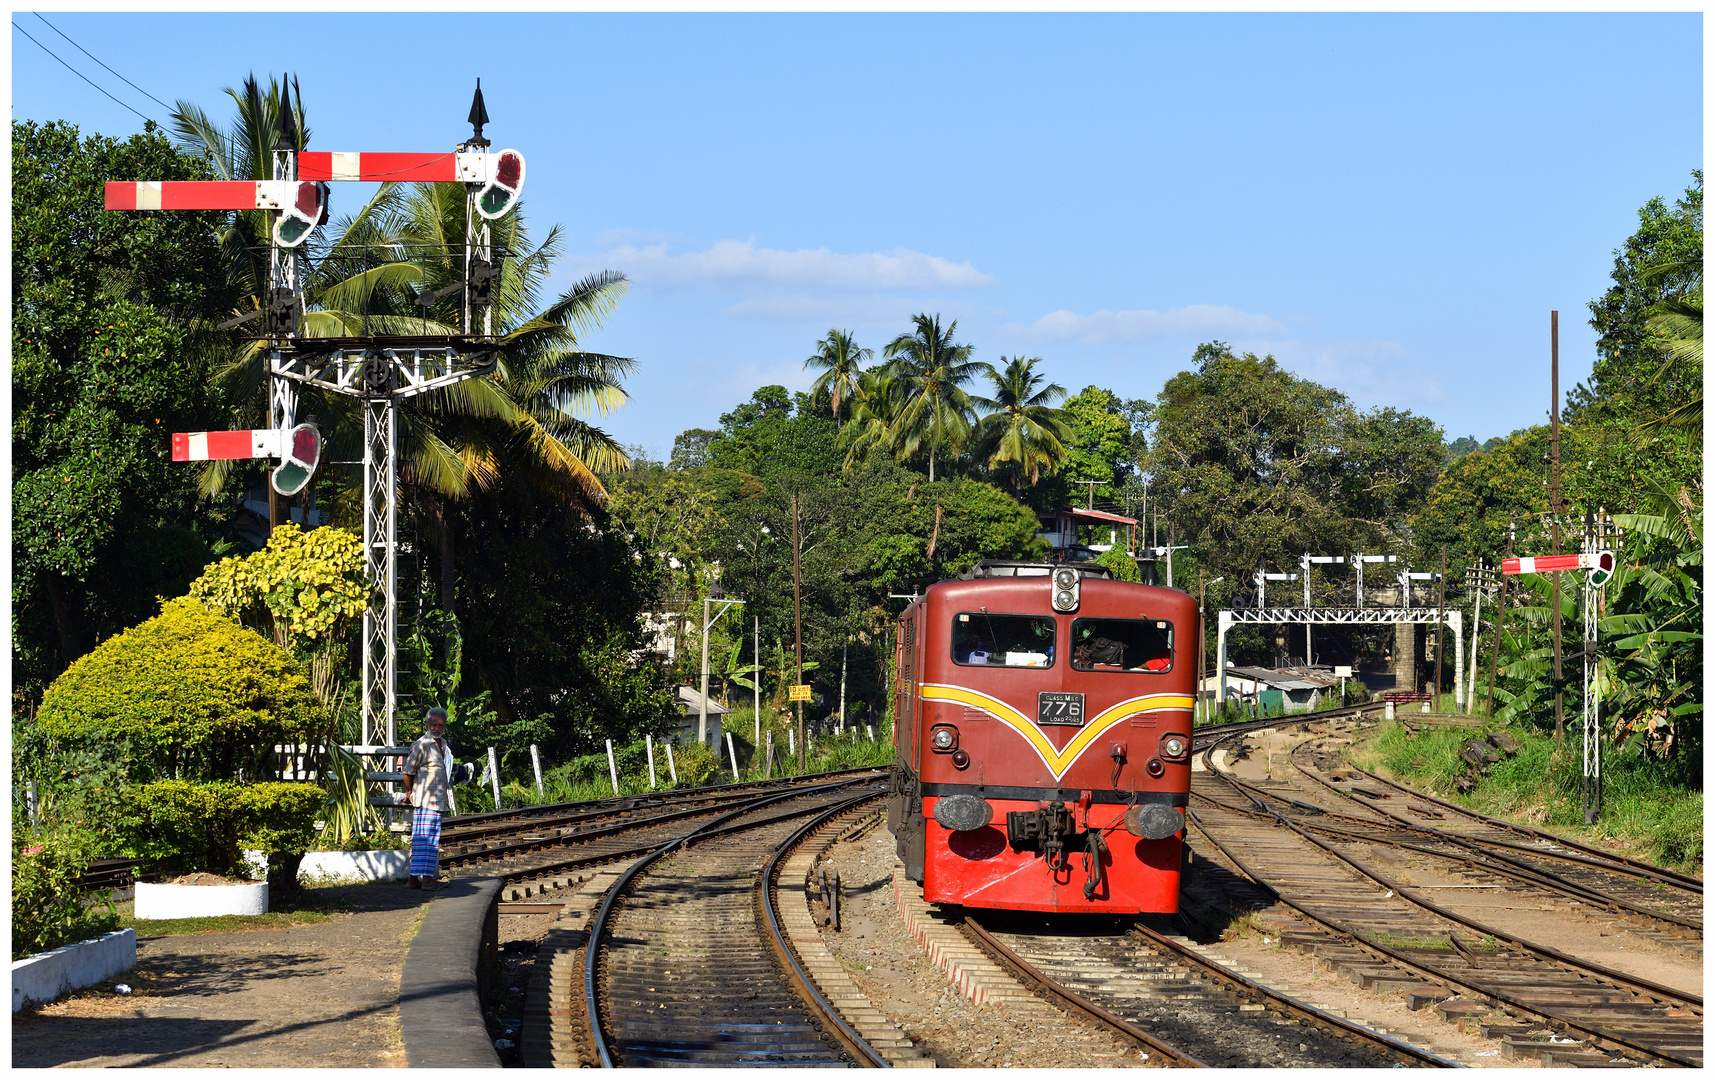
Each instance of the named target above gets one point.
<point>1057,761</point>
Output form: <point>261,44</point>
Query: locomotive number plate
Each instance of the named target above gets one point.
<point>1056,707</point>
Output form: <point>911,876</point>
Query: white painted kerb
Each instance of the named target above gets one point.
<point>45,976</point>
<point>341,867</point>
<point>200,901</point>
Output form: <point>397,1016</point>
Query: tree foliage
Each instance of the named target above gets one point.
<point>111,353</point>
<point>311,585</point>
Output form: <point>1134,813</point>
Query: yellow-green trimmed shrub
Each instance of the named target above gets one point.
<point>196,695</point>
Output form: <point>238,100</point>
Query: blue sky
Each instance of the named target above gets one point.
<point>1390,204</point>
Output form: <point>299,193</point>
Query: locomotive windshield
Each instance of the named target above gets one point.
<point>986,640</point>
<point>1122,645</point>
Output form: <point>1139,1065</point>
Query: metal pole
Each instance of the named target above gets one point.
<point>798,622</point>
<point>1554,514</point>
<point>1199,698</point>
<point>756,686</point>
<point>1440,626</point>
<point>1500,620</point>
<point>536,764</point>
<point>1309,642</point>
<point>703,700</point>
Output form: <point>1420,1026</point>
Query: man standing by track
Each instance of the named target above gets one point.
<point>428,771</point>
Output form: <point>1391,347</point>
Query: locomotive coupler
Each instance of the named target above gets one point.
<point>1045,830</point>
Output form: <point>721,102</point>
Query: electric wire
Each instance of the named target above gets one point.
<point>81,75</point>
<point>92,56</point>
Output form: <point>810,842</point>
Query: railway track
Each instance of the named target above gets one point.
<point>539,853</point>
<point>1323,864</point>
<point>678,968</point>
<point>1196,1013</point>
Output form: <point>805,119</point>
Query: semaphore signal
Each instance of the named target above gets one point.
<point>381,371</point>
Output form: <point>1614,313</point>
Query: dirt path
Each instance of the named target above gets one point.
<point>319,995</point>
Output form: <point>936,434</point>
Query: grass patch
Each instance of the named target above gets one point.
<point>297,908</point>
<point>1647,808</point>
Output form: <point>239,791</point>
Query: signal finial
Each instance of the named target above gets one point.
<point>478,117</point>
<point>285,126</point>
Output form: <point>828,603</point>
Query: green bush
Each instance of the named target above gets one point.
<point>194,693</point>
<point>203,825</point>
<point>49,909</point>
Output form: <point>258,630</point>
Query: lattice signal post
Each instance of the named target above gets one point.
<point>381,371</point>
<point>1597,561</point>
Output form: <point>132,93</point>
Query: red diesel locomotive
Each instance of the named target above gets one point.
<point>1044,739</point>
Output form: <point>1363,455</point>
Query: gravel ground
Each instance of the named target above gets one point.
<point>890,968</point>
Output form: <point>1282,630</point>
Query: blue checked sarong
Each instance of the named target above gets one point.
<point>425,842</point>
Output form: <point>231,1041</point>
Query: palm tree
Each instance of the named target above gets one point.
<point>876,404</point>
<point>841,360</point>
<point>931,370</point>
<point>1022,430</point>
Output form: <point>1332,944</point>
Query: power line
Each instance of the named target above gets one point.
<point>80,74</point>
<point>92,56</point>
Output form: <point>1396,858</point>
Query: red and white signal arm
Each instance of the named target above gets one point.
<point>1600,564</point>
<point>298,449</point>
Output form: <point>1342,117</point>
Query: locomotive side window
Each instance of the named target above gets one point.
<point>1122,645</point>
<point>984,640</point>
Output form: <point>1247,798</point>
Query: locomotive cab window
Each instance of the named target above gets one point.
<point>984,640</point>
<point>1122,645</point>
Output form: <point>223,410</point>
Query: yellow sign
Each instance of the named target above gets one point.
<point>800,692</point>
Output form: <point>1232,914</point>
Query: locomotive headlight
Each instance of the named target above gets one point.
<point>1175,746</point>
<point>1065,589</point>
<point>943,739</point>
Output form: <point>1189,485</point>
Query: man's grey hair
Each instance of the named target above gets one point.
<point>432,713</point>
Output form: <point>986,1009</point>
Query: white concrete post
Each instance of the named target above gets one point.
<point>672,766</point>
<point>871,729</point>
<point>842,724</point>
<point>649,747</point>
<point>732,755</point>
<point>1476,632</point>
<point>536,763</point>
<point>494,776</point>
<point>612,768</point>
<point>1456,619</point>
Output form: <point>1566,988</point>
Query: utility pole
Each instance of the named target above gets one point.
<point>756,682</point>
<point>1090,503</point>
<point>1554,513</point>
<point>844,645</point>
<point>1500,620</point>
<point>798,624</point>
<point>703,700</point>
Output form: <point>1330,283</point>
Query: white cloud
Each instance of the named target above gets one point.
<point>1104,326</point>
<point>734,262</point>
<point>1371,371</point>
